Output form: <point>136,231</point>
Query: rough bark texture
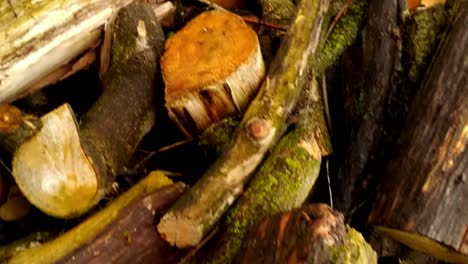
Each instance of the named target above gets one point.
<point>122,232</point>
<point>311,234</point>
<point>264,122</point>
<point>379,55</point>
<point>16,127</point>
<point>425,190</point>
<point>38,37</point>
<point>342,35</point>
<point>125,112</point>
<point>282,183</point>
<point>374,105</point>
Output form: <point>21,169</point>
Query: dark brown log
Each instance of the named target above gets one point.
<point>132,238</point>
<point>382,75</point>
<point>311,234</point>
<point>123,232</point>
<point>366,131</point>
<point>423,201</point>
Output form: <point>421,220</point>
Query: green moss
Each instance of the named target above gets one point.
<point>343,35</point>
<point>354,250</point>
<point>282,183</point>
<point>425,31</point>
<point>220,135</point>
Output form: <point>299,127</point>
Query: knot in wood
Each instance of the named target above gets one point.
<point>258,128</point>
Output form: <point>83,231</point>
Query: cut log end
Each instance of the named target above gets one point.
<point>181,233</point>
<point>424,244</point>
<point>52,170</point>
<point>319,235</point>
<point>211,68</point>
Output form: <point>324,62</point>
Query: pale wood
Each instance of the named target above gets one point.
<point>37,37</point>
<point>212,69</point>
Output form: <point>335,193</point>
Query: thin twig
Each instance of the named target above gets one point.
<point>211,4</point>
<point>338,16</point>
<point>168,147</point>
<point>262,23</point>
<point>329,184</point>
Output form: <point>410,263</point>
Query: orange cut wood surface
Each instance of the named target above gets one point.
<point>207,50</point>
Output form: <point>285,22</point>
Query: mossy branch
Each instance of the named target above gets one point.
<point>284,180</point>
<point>197,212</point>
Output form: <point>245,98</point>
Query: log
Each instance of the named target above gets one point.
<point>283,181</point>
<point>208,76</point>
<point>422,201</point>
<point>39,37</point>
<point>371,110</point>
<point>73,167</point>
<point>122,232</point>
<point>379,56</point>
<point>311,234</point>
<point>195,214</point>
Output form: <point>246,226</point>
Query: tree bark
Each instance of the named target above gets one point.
<point>425,192</point>
<point>378,66</point>
<point>195,214</point>
<point>311,234</point>
<point>122,232</point>
<point>283,181</point>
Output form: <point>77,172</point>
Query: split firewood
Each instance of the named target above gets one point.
<point>195,214</point>
<point>72,167</point>
<point>423,200</point>
<point>123,232</point>
<point>283,181</point>
<point>212,69</point>
<point>311,234</point>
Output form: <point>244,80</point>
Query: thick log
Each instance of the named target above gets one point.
<point>373,105</point>
<point>366,131</point>
<point>311,234</point>
<point>39,37</point>
<point>122,232</point>
<point>195,214</point>
<point>73,166</point>
<point>208,76</point>
<point>423,199</point>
